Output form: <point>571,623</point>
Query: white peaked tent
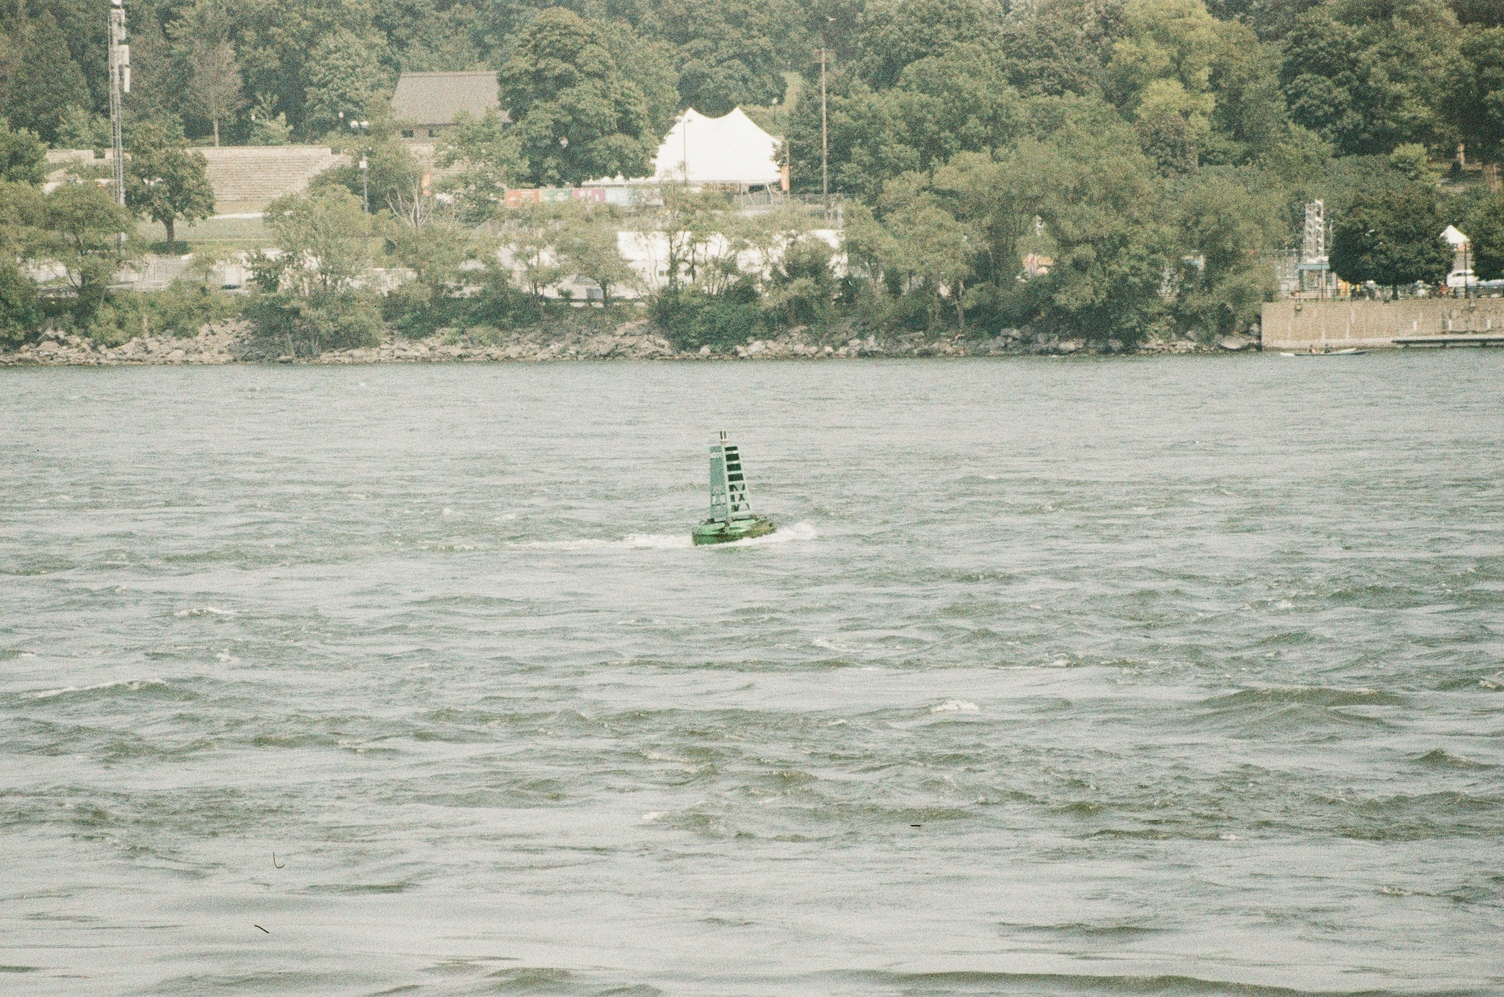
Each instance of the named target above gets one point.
<point>725,150</point>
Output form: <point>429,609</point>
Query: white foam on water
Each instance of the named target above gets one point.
<point>131,684</point>
<point>670,541</point>
<point>560,544</point>
<point>799,531</point>
<point>204,611</point>
<point>955,706</point>
<point>658,541</point>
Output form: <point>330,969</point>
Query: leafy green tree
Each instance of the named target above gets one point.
<point>578,114</point>
<point>1411,162</point>
<point>23,157</point>
<point>1370,76</point>
<point>80,227</point>
<point>46,82</point>
<point>431,39</point>
<point>929,250</point>
<point>1099,202</point>
<point>346,79</point>
<point>651,62</point>
<point>704,238</point>
<point>215,81</point>
<point>482,156</point>
<point>1061,47</point>
<point>1475,103</point>
<point>1486,12</point>
<point>1250,120</point>
<point>529,236</point>
<point>393,177</point>
<point>268,127</point>
<point>987,192</point>
<point>895,33</point>
<point>324,241</point>
<point>728,52</point>
<point>20,215</point>
<point>587,245</point>
<point>1484,226</point>
<point>959,101</point>
<point>79,129</point>
<point>1161,75</point>
<point>310,58</point>
<point>1271,19</point>
<point>1225,229</point>
<point>20,315</point>
<point>311,299</point>
<point>436,251</point>
<point>802,286</point>
<point>1392,236</point>
<point>167,182</point>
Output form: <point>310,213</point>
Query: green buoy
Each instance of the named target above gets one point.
<point>731,516</point>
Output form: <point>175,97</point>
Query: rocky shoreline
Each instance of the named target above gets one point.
<point>231,342</point>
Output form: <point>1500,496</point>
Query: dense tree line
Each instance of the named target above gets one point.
<point>1150,154</point>
<point>1364,75</point>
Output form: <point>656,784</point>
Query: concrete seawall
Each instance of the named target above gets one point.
<point>1300,325</point>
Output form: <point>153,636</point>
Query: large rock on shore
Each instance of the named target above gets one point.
<point>215,344</point>
<point>633,340</point>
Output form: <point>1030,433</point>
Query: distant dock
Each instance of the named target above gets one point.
<point>1447,339</point>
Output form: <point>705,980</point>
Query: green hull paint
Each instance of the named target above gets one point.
<point>716,531</point>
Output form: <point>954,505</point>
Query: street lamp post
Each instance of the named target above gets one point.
<point>365,183</point>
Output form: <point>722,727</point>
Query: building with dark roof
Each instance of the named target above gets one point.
<point>427,104</point>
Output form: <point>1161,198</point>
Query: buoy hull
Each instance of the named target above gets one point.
<point>716,531</point>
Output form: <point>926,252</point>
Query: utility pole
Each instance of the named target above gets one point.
<point>824,138</point>
<point>120,83</point>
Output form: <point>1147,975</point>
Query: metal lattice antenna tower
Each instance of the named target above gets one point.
<point>120,83</point>
<point>1313,249</point>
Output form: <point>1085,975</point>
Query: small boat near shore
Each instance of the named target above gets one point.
<point>731,515</point>
<point>1351,351</point>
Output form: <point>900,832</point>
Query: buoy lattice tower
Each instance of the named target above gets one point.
<point>728,485</point>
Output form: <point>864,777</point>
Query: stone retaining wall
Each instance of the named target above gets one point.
<point>1300,325</point>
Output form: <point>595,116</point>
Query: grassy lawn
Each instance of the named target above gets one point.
<point>212,235</point>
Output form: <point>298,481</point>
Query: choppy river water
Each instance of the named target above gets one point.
<point>1086,676</point>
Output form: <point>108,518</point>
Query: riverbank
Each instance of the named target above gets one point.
<point>233,342</point>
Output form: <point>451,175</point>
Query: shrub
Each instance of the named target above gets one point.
<point>803,286</point>
<point>691,318</point>
<point>20,314</point>
<point>308,326</point>
<point>181,310</point>
<point>499,303</point>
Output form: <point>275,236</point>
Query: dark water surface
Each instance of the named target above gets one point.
<point>1061,676</point>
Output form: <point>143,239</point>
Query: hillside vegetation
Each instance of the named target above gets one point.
<point>1146,157</point>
